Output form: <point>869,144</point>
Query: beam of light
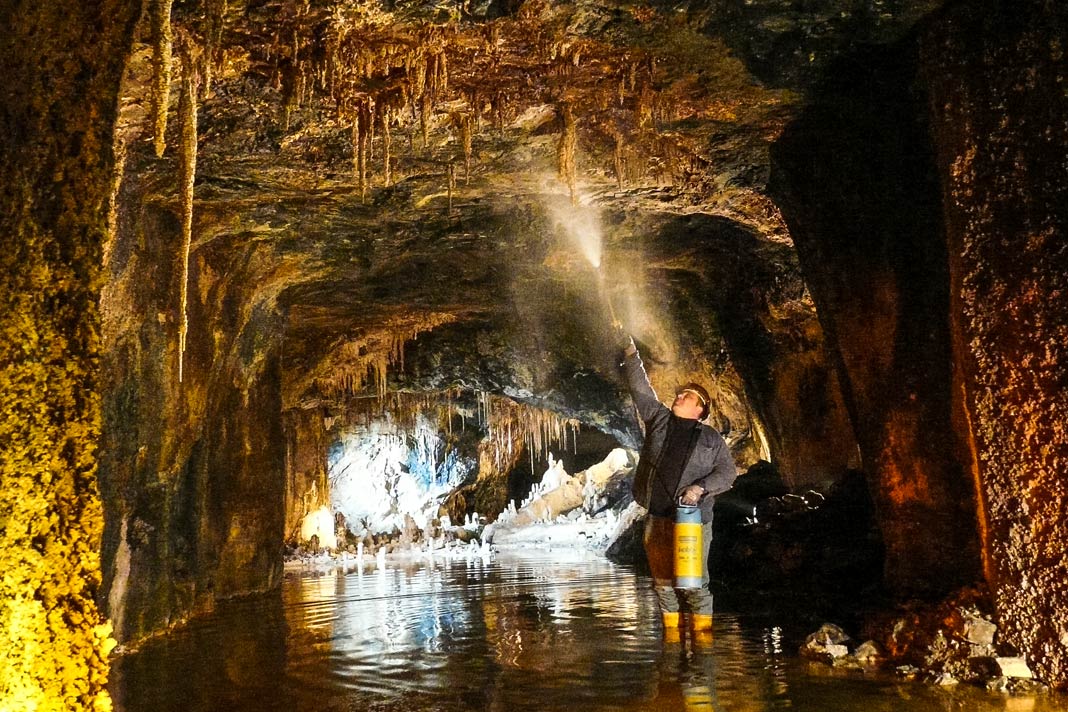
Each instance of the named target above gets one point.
<point>582,225</point>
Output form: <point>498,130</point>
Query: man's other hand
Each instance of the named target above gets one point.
<point>692,495</point>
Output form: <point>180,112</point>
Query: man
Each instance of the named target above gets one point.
<point>682,460</point>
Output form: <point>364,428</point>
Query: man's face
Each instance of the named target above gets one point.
<point>687,405</point>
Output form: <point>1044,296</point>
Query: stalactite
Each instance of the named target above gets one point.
<point>387,145</point>
<point>121,154</point>
<point>289,95</point>
<point>424,119</point>
<point>162,46</point>
<point>467,139</point>
<point>372,111</point>
<point>452,184</point>
<point>443,68</point>
<point>403,410</point>
<point>187,116</point>
<point>418,76</point>
<point>214,24</point>
<point>510,424</point>
<point>367,360</point>
<point>618,159</point>
<point>644,109</point>
<point>566,152</point>
<point>361,121</point>
<point>357,139</point>
<point>302,83</point>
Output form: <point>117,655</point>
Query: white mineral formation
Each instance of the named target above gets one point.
<point>319,523</point>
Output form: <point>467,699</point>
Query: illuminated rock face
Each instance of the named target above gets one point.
<point>998,103</point>
<point>192,472</point>
<point>925,217</point>
<point>55,167</point>
<point>856,178</point>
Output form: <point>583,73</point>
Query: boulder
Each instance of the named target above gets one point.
<point>1014,667</point>
<point>826,644</point>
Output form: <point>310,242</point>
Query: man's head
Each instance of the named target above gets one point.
<point>691,401</point>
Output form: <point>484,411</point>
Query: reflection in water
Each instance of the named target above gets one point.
<point>514,633</point>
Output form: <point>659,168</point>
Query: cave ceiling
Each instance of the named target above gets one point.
<point>395,169</point>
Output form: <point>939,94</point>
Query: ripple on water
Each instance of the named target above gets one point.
<point>576,633</point>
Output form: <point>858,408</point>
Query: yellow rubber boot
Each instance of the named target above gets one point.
<point>671,627</point>
<point>702,629</point>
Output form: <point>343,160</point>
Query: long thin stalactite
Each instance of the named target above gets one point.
<point>162,45</point>
<point>187,116</point>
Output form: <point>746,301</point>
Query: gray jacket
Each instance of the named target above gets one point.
<point>709,464</point>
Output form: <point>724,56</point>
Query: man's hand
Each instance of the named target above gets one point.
<point>623,339</point>
<point>692,495</point>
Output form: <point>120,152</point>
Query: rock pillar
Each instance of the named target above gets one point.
<point>997,73</point>
<point>57,113</point>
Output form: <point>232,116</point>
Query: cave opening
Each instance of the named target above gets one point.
<point>284,281</point>
<point>400,470</point>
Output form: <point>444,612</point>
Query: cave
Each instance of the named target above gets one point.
<point>261,257</point>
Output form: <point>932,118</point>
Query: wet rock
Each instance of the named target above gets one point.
<point>979,630</point>
<point>984,668</point>
<point>828,643</point>
<point>1014,667</point>
<point>954,639</point>
<point>626,543</point>
<point>909,672</point>
<point>847,662</point>
<point>1015,685</point>
<point>868,652</point>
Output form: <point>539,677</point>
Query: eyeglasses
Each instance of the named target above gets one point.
<point>680,392</point>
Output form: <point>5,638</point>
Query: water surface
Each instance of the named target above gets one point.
<point>571,632</point>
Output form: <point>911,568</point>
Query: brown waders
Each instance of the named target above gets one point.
<point>660,551</point>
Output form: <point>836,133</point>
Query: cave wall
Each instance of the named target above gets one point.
<point>58,110</point>
<point>928,195</point>
<point>306,487</point>
<point>855,177</point>
<point>192,472</point>
<point>997,73</point>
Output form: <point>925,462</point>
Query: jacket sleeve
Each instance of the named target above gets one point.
<point>723,472</point>
<point>640,389</point>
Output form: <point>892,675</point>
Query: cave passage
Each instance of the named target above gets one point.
<point>265,260</point>
<point>568,631</point>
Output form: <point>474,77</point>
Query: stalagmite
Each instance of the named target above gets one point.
<point>162,41</point>
<point>570,494</point>
<point>187,115</point>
